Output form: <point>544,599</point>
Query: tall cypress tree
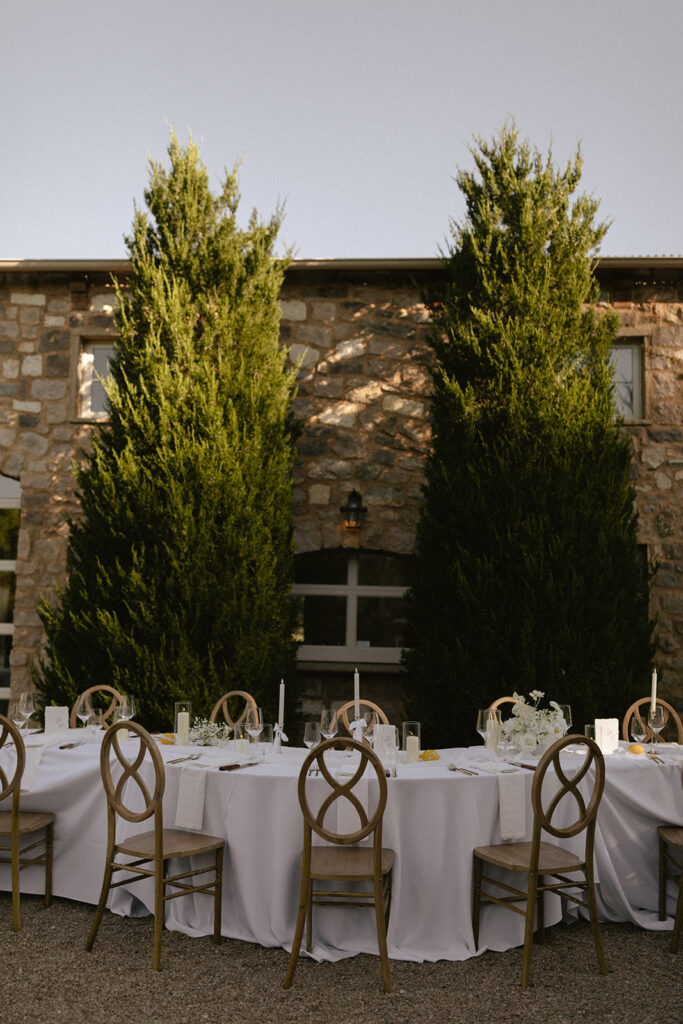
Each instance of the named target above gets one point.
<point>528,572</point>
<point>180,560</point>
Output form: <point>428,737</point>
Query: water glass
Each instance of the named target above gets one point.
<point>311,734</point>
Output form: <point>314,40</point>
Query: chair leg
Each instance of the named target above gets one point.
<point>49,846</point>
<point>662,879</point>
<point>529,929</point>
<point>299,930</point>
<point>16,893</point>
<point>160,868</point>
<point>540,914</point>
<point>309,917</point>
<point>476,904</point>
<point>382,933</point>
<point>218,897</point>
<point>593,910</point>
<point>106,882</point>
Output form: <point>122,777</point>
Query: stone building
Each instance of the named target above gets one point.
<point>358,330</point>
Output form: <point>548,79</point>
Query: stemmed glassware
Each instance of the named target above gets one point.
<point>27,706</point>
<point>489,722</point>
<point>84,714</point>
<point>637,728</point>
<point>657,718</point>
<point>311,734</point>
<point>328,724</point>
<point>566,712</point>
<point>254,723</point>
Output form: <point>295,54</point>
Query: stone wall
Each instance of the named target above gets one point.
<point>358,332</point>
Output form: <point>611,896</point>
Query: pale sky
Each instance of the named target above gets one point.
<point>354,113</point>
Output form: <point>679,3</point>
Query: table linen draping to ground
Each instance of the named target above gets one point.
<point>433,820</point>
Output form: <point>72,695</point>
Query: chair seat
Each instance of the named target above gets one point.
<point>175,843</point>
<point>517,857</point>
<point>671,834</point>
<point>347,863</point>
<point>29,821</point>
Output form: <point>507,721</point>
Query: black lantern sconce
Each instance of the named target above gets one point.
<point>353,510</point>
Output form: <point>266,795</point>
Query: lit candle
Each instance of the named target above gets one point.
<point>653,696</point>
<point>356,695</point>
<point>412,749</point>
<point>183,727</point>
<point>281,709</point>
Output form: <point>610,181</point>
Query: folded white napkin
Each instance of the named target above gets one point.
<point>190,807</point>
<point>31,765</point>
<point>512,806</point>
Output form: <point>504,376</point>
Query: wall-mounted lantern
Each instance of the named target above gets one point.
<point>353,510</point>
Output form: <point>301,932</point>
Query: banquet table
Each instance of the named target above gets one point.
<point>433,820</point>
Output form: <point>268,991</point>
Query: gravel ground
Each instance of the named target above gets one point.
<point>49,978</point>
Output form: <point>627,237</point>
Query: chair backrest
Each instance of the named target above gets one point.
<point>673,723</point>
<point>544,809</point>
<point>10,784</point>
<point>85,699</point>
<point>341,790</point>
<point>119,802</point>
<point>501,700</point>
<point>235,697</point>
<point>342,713</point>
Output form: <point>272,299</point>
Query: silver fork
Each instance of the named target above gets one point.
<point>187,757</point>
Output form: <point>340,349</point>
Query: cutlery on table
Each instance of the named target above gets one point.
<point>187,757</point>
<point>465,771</point>
<point>235,767</point>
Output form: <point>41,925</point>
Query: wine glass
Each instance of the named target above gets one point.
<point>657,718</point>
<point>488,725</point>
<point>254,723</point>
<point>311,734</point>
<point>27,706</point>
<point>328,724</point>
<point>15,714</point>
<point>84,714</point>
<point>130,705</point>
<point>566,712</point>
<point>637,728</point>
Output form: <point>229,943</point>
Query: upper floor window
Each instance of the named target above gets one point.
<point>626,359</point>
<point>350,606</point>
<point>93,369</point>
<point>10,502</point>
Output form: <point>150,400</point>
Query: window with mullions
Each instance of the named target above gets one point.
<point>626,359</point>
<point>350,606</point>
<point>10,501</point>
<point>93,370</point>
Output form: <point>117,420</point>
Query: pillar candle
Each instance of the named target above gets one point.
<point>356,695</point>
<point>183,727</point>
<point>281,709</point>
<point>653,696</point>
<point>412,749</point>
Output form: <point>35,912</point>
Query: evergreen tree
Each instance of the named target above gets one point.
<point>528,572</point>
<point>180,560</point>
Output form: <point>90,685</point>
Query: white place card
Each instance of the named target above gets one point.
<point>56,719</point>
<point>607,734</point>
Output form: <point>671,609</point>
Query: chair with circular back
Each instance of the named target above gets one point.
<point>502,700</point>
<point>671,838</point>
<point>546,865</point>
<point>107,693</point>
<point>234,697</point>
<point>154,847</point>
<point>674,723</point>
<point>339,860</point>
<point>17,824</point>
<point>342,713</point>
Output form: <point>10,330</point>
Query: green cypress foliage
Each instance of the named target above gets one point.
<point>180,562</point>
<point>528,572</point>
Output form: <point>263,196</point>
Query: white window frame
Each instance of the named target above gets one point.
<point>89,375</point>
<point>350,652</point>
<point>635,344</point>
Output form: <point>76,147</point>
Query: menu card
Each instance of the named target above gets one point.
<point>607,734</point>
<point>56,719</point>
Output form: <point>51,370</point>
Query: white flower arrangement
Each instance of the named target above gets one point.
<point>208,734</point>
<point>531,726</point>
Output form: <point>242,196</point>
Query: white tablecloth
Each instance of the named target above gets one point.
<point>433,820</point>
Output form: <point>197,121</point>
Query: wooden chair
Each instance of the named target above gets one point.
<point>674,722</point>
<point>234,696</point>
<point>107,693</point>
<point>501,700</point>
<point>546,864</point>
<point>342,861</point>
<point>342,713</point>
<point>153,848</point>
<point>669,867</point>
<point>17,823</point>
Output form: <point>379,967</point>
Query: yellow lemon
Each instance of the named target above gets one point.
<point>636,748</point>
<point>430,755</point>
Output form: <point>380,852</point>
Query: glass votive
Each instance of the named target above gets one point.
<point>181,721</point>
<point>411,741</point>
<point>121,714</point>
<point>266,740</point>
<point>589,731</point>
<point>241,739</point>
